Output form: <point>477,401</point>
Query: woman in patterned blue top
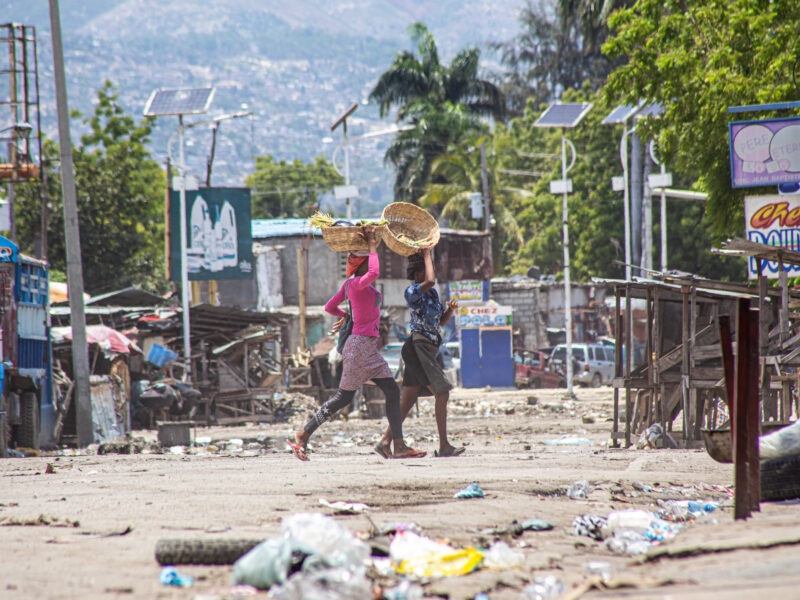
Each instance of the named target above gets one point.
<point>422,368</point>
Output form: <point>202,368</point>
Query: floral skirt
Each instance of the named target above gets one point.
<point>362,361</point>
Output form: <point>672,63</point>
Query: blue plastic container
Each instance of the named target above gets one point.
<point>160,356</point>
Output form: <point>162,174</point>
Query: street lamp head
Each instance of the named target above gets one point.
<point>344,115</point>
<point>22,129</point>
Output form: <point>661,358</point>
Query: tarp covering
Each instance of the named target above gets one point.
<point>105,337</point>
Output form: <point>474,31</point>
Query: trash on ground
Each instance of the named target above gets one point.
<point>579,490</point>
<point>312,551</point>
<point>780,443</point>
<point>169,576</point>
<point>345,508</point>
<point>592,526</point>
<point>501,556</point>
<point>598,568</point>
<point>569,440</point>
<point>655,437</point>
<point>543,588</point>
<point>422,557</point>
<point>405,590</point>
<point>473,490</point>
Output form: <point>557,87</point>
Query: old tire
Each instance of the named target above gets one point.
<point>28,436</point>
<point>202,552</point>
<point>780,478</point>
<point>597,380</point>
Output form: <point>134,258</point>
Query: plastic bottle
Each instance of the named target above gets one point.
<point>543,588</point>
<point>629,520</point>
<point>501,556</point>
<point>405,590</point>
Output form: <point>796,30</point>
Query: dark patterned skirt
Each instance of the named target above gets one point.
<point>362,361</point>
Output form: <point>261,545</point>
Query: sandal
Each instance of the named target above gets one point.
<point>380,450</point>
<point>412,453</point>
<point>450,452</point>
<point>299,451</point>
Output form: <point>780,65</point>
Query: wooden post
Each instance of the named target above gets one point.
<point>747,469</point>
<point>618,341</point>
<point>770,406</point>
<point>628,359</point>
<point>301,283</point>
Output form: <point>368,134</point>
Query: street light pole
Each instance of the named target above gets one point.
<point>623,156</point>
<point>342,120</point>
<point>567,282</point>
<point>186,291</point>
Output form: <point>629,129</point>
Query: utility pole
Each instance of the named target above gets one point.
<point>80,350</point>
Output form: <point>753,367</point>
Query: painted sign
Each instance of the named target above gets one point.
<point>219,243</point>
<point>765,152</point>
<point>773,220</point>
<point>484,315</point>
<point>468,291</point>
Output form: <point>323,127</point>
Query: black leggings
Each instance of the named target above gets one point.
<point>342,398</point>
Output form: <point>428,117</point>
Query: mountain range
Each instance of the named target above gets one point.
<point>295,65</point>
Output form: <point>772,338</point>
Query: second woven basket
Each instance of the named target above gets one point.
<point>409,228</point>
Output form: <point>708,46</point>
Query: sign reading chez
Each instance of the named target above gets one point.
<point>484,315</point>
<point>773,220</point>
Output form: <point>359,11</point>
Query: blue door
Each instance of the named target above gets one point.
<point>486,357</point>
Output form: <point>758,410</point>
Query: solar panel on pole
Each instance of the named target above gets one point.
<point>620,114</point>
<point>188,101</point>
<point>563,115</point>
<point>651,110</point>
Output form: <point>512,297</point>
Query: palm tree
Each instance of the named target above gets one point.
<point>442,102</point>
<point>458,174</point>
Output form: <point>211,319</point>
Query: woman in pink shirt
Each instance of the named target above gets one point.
<point>361,357</point>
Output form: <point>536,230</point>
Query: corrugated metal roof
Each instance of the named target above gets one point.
<point>270,228</point>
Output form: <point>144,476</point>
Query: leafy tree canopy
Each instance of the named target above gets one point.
<point>440,103</point>
<point>289,189</point>
<point>120,194</point>
<point>697,59</point>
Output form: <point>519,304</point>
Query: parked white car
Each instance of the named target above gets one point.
<point>592,364</point>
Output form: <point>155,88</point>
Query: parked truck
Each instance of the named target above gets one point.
<point>27,412</point>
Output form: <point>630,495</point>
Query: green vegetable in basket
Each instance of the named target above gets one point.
<point>321,220</point>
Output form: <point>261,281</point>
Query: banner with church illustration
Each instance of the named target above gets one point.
<point>774,220</point>
<point>219,244</point>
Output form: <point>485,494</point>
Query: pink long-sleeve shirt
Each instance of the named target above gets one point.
<point>365,300</point>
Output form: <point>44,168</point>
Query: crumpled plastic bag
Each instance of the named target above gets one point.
<point>780,443</point>
<point>655,437</point>
<point>423,557</point>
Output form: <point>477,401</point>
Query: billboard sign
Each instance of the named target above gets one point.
<point>484,315</point>
<point>219,243</point>
<point>773,220</point>
<point>468,291</point>
<point>765,152</point>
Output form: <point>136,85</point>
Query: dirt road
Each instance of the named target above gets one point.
<point>86,526</point>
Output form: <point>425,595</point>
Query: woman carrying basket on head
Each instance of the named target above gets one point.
<point>361,357</point>
<point>422,369</point>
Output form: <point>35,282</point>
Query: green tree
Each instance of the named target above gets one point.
<point>458,175</point>
<point>442,102</point>
<point>289,189</point>
<point>120,195</point>
<point>556,50</point>
<point>697,59</point>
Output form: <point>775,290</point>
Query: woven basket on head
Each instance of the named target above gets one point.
<point>413,223</point>
<point>347,238</point>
